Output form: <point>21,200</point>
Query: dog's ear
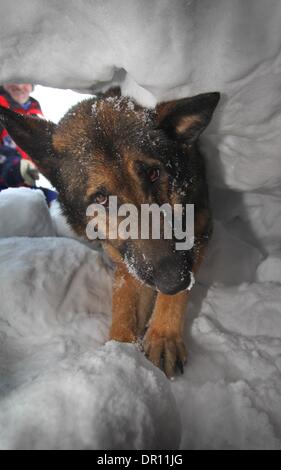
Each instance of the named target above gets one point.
<point>33,135</point>
<point>186,118</point>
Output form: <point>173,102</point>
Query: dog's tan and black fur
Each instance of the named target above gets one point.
<point>111,146</point>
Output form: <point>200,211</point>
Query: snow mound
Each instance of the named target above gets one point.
<point>230,394</point>
<point>270,270</point>
<point>46,283</point>
<point>110,398</point>
<point>24,213</point>
<point>57,389</point>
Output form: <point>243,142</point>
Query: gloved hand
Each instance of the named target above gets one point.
<point>3,158</point>
<point>29,172</point>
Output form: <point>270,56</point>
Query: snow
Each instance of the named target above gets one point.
<point>20,205</point>
<point>55,291</point>
<point>176,49</point>
<point>270,270</point>
<point>106,398</point>
<point>232,385</point>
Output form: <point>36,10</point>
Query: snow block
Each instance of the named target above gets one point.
<point>24,213</point>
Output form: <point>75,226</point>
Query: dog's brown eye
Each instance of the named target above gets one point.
<point>100,198</point>
<point>153,174</point>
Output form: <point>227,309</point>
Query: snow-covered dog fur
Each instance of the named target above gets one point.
<point>112,146</point>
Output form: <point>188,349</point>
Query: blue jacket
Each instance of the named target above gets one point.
<point>10,175</point>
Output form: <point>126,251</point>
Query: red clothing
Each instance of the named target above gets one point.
<point>31,107</point>
<point>11,154</point>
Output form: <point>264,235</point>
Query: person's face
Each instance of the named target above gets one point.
<point>19,91</point>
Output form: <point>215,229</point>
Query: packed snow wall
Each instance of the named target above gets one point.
<point>171,49</point>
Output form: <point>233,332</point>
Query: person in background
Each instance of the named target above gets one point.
<point>16,167</point>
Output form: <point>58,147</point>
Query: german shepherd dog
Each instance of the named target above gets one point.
<point>109,145</point>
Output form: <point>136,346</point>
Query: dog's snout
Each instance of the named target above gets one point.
<point>172,276</point>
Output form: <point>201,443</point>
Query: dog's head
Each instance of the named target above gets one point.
<point>112,146</point>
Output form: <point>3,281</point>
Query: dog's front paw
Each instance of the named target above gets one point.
<point>122,334</point>
<point>167,352</point>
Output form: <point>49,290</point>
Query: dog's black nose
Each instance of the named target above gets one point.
<point>172,276</point>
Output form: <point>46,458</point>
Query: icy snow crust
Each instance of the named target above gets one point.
<point>60,387</point>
